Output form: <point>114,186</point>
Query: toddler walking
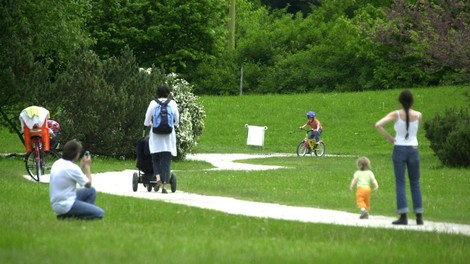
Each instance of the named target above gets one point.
<point>363,178</point>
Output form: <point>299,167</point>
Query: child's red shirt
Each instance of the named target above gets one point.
<point>314,124</point>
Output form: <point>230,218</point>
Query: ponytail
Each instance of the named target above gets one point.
<point>406,100</point>
<point>407,121</point>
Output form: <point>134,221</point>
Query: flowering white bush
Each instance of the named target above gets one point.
<point>192,114</point>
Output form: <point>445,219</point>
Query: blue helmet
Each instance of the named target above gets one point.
<point>311,114</point>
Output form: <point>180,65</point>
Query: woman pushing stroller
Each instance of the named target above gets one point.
<point>162,146</point>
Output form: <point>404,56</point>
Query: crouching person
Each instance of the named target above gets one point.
<point>67,201</point>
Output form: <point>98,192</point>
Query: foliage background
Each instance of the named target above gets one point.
<point>105,109</point>
<point>449,134</point>
<point>69,55</point>
<point>194,235</point>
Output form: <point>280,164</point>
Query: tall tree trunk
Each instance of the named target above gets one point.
<point>231,25</point>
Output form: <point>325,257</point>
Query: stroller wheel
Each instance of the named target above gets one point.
<point>149,187</point>
<point>173,182</point>
<point>135,181</point>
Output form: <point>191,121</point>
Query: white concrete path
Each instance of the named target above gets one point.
<point>120,183</point>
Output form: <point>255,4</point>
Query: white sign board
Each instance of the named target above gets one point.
<point>255,135</point>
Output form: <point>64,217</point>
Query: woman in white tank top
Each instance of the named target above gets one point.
<point>405,155</point>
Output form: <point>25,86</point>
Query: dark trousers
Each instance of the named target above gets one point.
<point>407,157</point>
<point>315,134</point>
<point>161,163</point>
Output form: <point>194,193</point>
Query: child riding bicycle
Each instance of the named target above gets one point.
<point>315,125</point>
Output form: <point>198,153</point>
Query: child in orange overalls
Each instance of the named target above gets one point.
<point>363,178</point>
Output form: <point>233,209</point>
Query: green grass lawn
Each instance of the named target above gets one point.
<point>142,231</point>
<point>348,119</point>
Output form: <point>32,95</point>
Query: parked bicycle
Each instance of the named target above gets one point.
<point>38,130</point>
<point>39,161</point>
<point>310,146</point>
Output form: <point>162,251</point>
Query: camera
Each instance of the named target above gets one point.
<point>87,153</point>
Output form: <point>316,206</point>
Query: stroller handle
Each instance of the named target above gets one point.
<point>143,131</point>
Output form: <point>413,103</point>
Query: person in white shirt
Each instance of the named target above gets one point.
<point>405,155</point>
<point>162,146</point>
<point>66,200</point>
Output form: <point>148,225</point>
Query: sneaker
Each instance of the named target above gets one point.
<point>164,190</point>
<point>364,215</point>
<point>157,185</point>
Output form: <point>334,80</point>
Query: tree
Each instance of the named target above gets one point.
<point>437,32</point>
<point>293,6</point>
<point>286,53</point>
<point>36,37</point>
<point>174,35</point>
<point>231,25</point>
<point>104,102</point>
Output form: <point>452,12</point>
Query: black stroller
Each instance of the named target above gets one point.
<point>144,164</point>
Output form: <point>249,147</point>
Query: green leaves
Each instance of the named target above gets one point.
<point>175,34</point>
<point>105,102</point>
<point>36,39</point>
<point>449,134</point>
<point>192,115</point>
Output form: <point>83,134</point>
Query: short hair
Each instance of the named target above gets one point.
<point>363,163</point>
<point>163,91</point>
<point>71,149</point>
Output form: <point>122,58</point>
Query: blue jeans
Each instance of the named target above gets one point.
<point>407,157</point>
<point>161,162</point>
<point>84,206</point>
<point>316,134</point>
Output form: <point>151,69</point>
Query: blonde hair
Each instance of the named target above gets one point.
<point>363,163</point>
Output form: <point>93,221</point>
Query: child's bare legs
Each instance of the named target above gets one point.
<point>155,167</point>
<point>159,183</point>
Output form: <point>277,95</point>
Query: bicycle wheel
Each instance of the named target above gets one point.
<point>135,181</point>
<point>302,149</point>
<point>32,166</point>
<point>35,169</point>
<point>320,150</point>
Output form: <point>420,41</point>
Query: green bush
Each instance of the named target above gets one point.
<point>103,104</point>
<point>191,112</point>
<point>449,135</point>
